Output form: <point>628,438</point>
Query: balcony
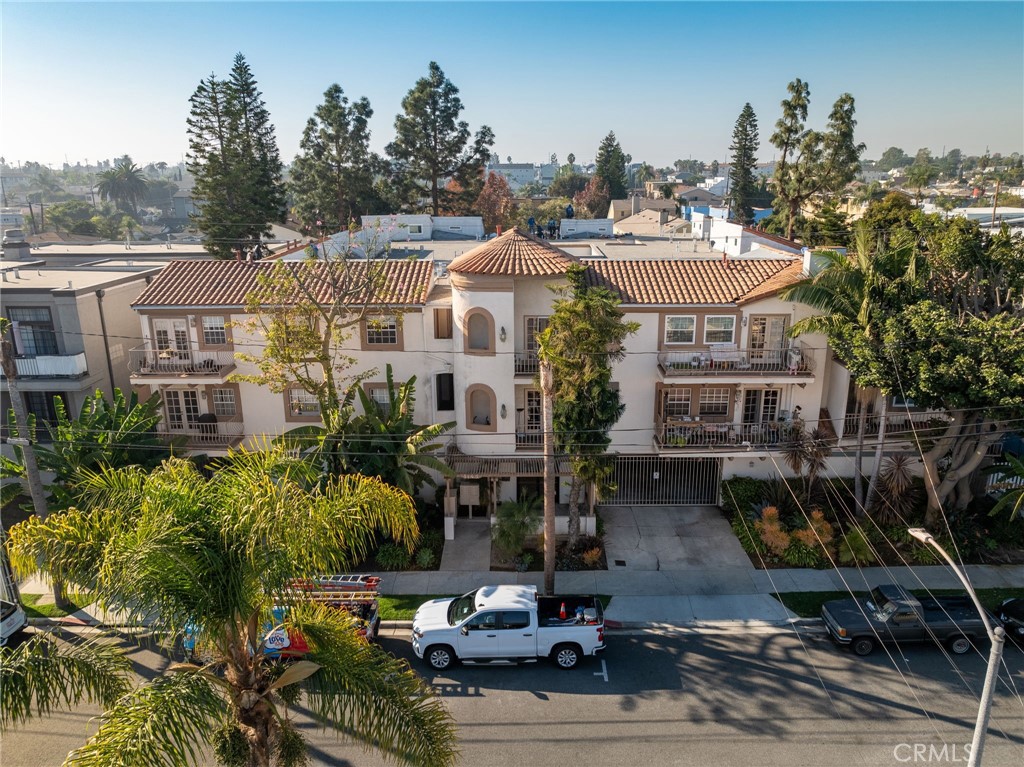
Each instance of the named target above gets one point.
<point>704,434</point>
<point>529,440</point>
<point>198,436</point>
<point>726,361</point>
<point>901,425</point>
<point>147,362</point>
<point>52,366</point>
<point>527,363</point>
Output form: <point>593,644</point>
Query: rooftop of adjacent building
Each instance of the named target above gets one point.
<point>37,278</point>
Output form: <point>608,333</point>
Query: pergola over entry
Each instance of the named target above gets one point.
<point>494,469</point>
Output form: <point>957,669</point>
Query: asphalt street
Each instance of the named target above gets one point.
<point>716,699</point>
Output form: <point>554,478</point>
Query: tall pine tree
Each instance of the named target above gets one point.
<point>742,187</point>
<point>812,162</point>
<point>332,178</point>
<point>234,159</point>
<point>432,146</point>
<point>611,166</point>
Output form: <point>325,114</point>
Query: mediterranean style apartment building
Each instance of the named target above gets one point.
<point>709,381</point>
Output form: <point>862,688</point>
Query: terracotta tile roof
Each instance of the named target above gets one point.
<point>227,283</point>
<point>514,254</point>
<point>692,280</point>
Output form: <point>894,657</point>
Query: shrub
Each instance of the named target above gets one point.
<point>775,539</point>
<point>797,554</point>
<point>592,557</point>
<point>747,535</point>
<point>391,556</point>
<point>740,494</point>
<point>433,540</point>
<point>425,559</point>
<point>855,549</point>
<point>515,521</point>
<point>818,534</point>
<point>523,561</point>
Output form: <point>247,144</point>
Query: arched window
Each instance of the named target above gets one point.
<point>479,335</point>
<point>481,411</point>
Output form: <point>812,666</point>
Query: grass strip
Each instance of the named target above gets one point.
<point>807,604</point>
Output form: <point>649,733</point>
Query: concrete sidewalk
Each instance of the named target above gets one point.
<point>659,598</point>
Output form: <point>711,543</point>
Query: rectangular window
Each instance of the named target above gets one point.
<point>415,228</point>
<point>224,403</point>
<point>382,331</point>
<point>760,405</point>
<point>680,329</point>
<point>675,403</point>
<point>445,383</point>
<point>714,402</point>
<point>379,394</point>
<point>33,330</point>
<point>534,327</point>
<point>898,400</point>
<point>443,322</point>
<point>719,330</point>
<point>302,403</point>
<point>214,333</point>
<point>40,404</point>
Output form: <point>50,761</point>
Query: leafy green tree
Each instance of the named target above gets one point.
<point>384,441</point>
<point>892,214</point>
<point>73,216</point>
<point>160,193</point>
<point>611,168</point>
<point>745,143</point>
<point>217,555</point>
<point>124,185</point>
<point>829,226</point>
<point>714,168</point>
<point>432,144</point>
<point>893,157</point>
<point>568,185</point>
<point>234,159</point>
<point>853,294</point>
<point>584,337</point>
<point>531,189</point>
<point>960,350</point>
<point>306,310</point>
<point>812,162</point>
<point>332,178</point>
<point>667,190</point>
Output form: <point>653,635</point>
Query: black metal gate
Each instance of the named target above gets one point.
<point>655,480</point>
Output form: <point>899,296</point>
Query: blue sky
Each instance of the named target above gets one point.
<point>97,80</point>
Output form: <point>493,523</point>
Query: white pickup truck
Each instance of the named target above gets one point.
<point>508,624</point>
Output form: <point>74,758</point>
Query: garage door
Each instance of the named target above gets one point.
<point>658,480</point>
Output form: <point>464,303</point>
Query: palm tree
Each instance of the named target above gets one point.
<point>1011,482</point>
<point>217,555</point>
<point>850,291</point>
<point>125,185</point>
<point>643,174</point>
<point>920,176</point>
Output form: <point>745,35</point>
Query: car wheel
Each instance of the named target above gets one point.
<point>863,646</point>
<point>566,655</point>
<point>959,645</point>
<point>439,656</point>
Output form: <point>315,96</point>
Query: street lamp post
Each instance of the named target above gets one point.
<point>995,634</point>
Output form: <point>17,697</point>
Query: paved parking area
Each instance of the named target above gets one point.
<point>671,538</point>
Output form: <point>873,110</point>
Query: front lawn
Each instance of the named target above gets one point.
<point>49,610</point>
<point>807,604</point>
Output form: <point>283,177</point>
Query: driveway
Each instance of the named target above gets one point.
<point>670,538</point>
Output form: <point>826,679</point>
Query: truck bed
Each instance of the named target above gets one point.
<point>549,610</point>
<point>955,609</point>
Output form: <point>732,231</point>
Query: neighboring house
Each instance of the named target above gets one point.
<point>576,228</point>
<point>185,206</point>
<point>71,330</point>
<point>620,209</point>
<point>736,239</point>
<point>11,218</point>
<point>517,174</point>
<point>652,223</point>
<point>718,186</point>
<point>711,375</point>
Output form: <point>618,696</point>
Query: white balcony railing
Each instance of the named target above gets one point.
<point>726,361</point>
<point>52,366</point>
<point>217,433</point>
<point>156,362</point>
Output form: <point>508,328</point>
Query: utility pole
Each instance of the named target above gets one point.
<point>547,385</point>
<point>995,199</point>
<point>24,441</point>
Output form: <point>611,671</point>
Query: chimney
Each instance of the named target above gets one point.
<point>663,217</point>
<point>636,204</point>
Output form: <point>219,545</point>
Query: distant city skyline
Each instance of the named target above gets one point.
<point>99,80</point>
